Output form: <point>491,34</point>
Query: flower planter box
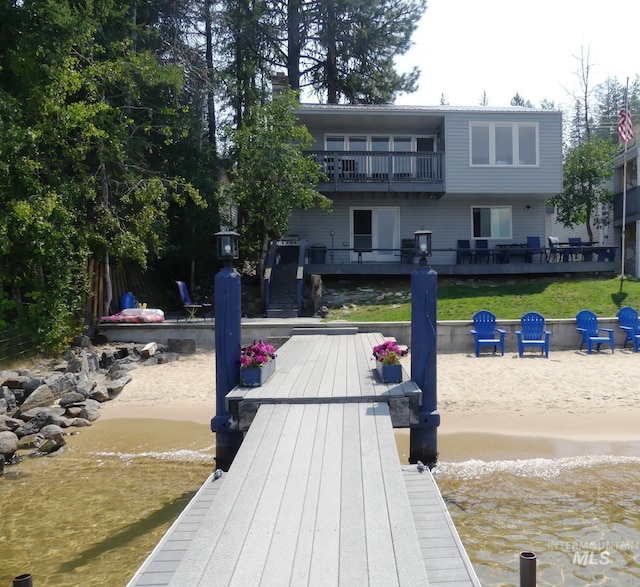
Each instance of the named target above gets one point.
<point>389,373</point>
<point>256,376</point>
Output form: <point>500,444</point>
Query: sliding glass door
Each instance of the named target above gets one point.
<point>375,234</point>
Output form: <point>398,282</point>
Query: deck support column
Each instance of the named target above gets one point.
<point>227,342</point>
<point>423,443</point>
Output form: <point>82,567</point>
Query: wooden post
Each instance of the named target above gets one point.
<point>227,342</point>
<point>423,441</point>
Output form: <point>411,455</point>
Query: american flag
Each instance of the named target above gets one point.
<point>625,126</point>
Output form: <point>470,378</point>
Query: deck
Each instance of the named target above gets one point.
<point>316,494</point>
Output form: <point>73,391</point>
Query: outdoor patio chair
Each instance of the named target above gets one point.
<point>554,252</point>
<point>484,332</point>
<point>588,327</point>
<point>575,248</point>
<point>534,247</point>
<point>532,333</point>
<point>630,325</point>
<point>192,309</point>
<point>482,251</point>
<point>464,252</point>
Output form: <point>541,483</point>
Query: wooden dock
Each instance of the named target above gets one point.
<point>316,494</point>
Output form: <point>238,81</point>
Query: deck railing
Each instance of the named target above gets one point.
<point>384,166</point>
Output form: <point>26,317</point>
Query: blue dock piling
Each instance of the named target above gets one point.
<point>423,440</point>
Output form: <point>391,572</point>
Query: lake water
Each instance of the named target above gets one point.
<point>89,516</point>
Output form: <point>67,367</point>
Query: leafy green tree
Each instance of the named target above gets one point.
<point>587,167</point>
<point>273,175</point>
<point>89,115</point>
<point>354,46</point>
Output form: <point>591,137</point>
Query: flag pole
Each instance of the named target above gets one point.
<point>624,208</point>
<point>624,135</point>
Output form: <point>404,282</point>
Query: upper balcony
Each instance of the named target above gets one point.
<point>384,171</point>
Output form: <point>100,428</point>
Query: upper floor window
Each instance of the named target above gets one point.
<point>503,144</point>
<point>381,143</point>
<point>491,221</point>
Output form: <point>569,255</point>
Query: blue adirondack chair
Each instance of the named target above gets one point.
<point>485,332</point>
<point>588,327</point>
<point>630,324</point>
<point>532,333</point>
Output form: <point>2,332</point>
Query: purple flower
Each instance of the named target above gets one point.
<point>257,354</point>
<point>389,352</point>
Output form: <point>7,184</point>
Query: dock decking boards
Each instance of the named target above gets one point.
<point>316,495</point>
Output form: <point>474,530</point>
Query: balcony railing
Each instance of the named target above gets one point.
<point>368,167</point>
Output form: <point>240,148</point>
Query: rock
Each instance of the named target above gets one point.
<point>60,383</point>
<point>185,346</point>
<point>78,364</point>
<point>80,422</point>
<point>149,350</point>
<point>51,445</point>
<point>8,423</point>
<point>100,394</point>
<point>3,406</point>
<point>116,386</point>
<point>32,384</point>
<point>82,341</point>
<point>15,382</point>
<point>9,397</point>
<point>91,403</point>
<point>52,432</point>
<point>34,425</point>
<point>91,414</point>
<point>33,412</point>
<point>43,396</point>
<point>71,398</point>
<point>167,358</point>
<point>8,443</point>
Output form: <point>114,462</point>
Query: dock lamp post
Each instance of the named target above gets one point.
<point>423,443</point>
<point>227,312</point>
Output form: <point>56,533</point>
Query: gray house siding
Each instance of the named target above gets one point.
<point>542,180</point>
<point>449,219</point>
<point>524,189</point>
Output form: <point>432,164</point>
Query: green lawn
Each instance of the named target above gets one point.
<point>510,298</point>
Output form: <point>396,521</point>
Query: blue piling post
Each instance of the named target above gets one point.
<point>423,440</point>
<point>227,341</point>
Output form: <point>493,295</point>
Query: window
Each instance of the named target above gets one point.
<point>503,144</point>
<point>491,222</point>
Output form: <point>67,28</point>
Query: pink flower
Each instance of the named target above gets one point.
<point>257,354</point>
<point>389,352</point>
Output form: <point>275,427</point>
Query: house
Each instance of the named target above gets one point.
<point>476,174</point>
<point>626,205</point>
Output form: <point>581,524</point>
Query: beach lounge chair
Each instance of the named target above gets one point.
<point>484,332</point>
<point>630,325</point>
<point>532,333</point>
<point>588,327</point>
<point>192,309</point>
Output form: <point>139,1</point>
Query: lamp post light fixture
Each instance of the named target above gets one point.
<point>227,246</point>
<point>422,244</point>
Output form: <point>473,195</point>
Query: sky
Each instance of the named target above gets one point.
<point>467,47</point>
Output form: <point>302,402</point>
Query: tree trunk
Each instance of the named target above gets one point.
<point>210,78</point>
<point>331,70</point>
<point>294,43</point>
<point>108,289</point>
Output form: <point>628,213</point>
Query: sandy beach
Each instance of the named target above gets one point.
<point>570,395</point>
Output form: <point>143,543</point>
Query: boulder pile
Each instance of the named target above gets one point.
<point>38,404</point>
